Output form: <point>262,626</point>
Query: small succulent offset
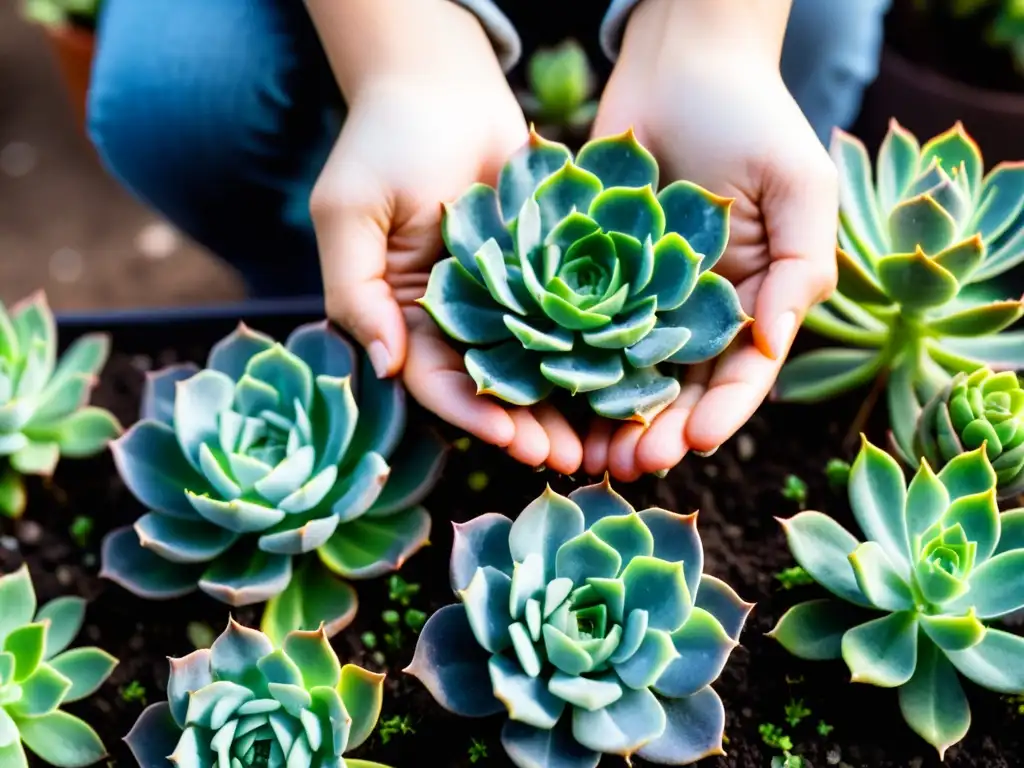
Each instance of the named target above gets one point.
<point>915,246</point>
<point>43,415</point>
<point>38,676</point>
<point>592,625</point>
<point>940,561</point>
<point>245,704</point>
<point>974,409</point>
<point>562,86</point>
<point>575,273</point>
<point>274,450</point>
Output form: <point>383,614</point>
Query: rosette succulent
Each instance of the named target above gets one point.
<point>575,273</point>
<point>38,676</point>
<point>43,415</point>
<point>272,451</point>
<point>975,409</point>
<point>916,243</point>
<point>591,625</point>
<point>940,562</point>
<point>562,86</point>
<point>245,704</point>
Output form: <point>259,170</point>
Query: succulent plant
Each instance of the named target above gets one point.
<point>43,415</point>
<point>915,246</point>
<point>270,452</point>
<point>245,704</point>
<point>562,86</point>
<point>940,561</point>
<point>976,408</point>
<point>574,273</point>
<point>592,625</point>
<point>38,676</point>
<point>59,12</point>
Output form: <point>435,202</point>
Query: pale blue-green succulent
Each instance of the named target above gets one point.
<point>577,274</point>
<point>38,677</point>
<point>43,411</point>
<point>245,704</point>
<point>272,452</point>
<point>940,562</point>
<point>591,625</point>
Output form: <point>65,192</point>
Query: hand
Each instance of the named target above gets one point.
<point>713,110</point>
<point>416,135</point>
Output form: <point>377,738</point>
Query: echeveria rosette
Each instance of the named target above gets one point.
<point>43,411</point>
<point>246,704</point>
<point>940,561</point>
<point>917,240</point>
<point>976,408</point>
<point>38,677</point>
<point>575,273</point>
<point>272,451</point>
<point>592,625</point>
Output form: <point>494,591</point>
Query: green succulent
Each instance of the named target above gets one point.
<point>1004,23</point>
<point>38,676</point>
<point>60,12</point>
<point>940,561</point>
<point>574,273</point>
<point>242,703</point>
<point>273,452</point>
<point>591,625</point>
<point>562,86</point>
<point>975,409</point>
<point>43,415</point>
<point>915,245</point>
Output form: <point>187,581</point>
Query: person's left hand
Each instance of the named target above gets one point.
<point>721,117</point>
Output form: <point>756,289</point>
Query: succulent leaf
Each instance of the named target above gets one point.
<point>267,454</point>
<point>583,611</point>
<point>933,702</point>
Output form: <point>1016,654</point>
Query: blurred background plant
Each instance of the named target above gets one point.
<point>561,96</point>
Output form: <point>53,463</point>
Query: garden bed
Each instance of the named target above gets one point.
<point>738,492</point>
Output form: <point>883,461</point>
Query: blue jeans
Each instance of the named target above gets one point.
<point>220,114</point>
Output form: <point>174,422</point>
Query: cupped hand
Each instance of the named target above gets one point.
<point>721,117</point>
<point>411,142</point>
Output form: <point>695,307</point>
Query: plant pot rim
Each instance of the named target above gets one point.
<point>948,89</point>
<point>298,307</point>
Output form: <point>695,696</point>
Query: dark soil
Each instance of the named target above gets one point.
<point>958,48</point>
<point>738,491</point>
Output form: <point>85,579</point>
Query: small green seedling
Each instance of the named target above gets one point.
<point>796,711</point>
<point>133,693</point>
<point>397,725</point>
<point>81,529</point>
<point>774,737</point>
<point>477,750</point>
<point>401,591</point>
<point>824,729</point>
<point>795,489</point>
<point>795,576</point>
<point>837,472</point>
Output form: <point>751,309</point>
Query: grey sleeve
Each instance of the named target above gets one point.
<point>613,25</point>
<point>503,35</point>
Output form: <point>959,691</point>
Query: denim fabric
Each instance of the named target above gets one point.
<point>220,113</point>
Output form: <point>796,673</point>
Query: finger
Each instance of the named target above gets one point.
<point>530,444</point>
<point>352,237</point>
<point>664,444</point>
<point>595,447</point>
<point>566,453</point>
<point>622,453</point>
<point>800,209</point>
<point>435,376</point>
<point>741,381</point>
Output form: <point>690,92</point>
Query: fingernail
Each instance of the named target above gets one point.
<point>782,333</point>
<point>380,358</point>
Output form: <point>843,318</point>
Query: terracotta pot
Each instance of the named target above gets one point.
<point>928,103</point>
<point>73,48</point>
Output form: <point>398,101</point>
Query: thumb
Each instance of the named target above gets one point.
<point>800,212</point>
<point>352,240</point>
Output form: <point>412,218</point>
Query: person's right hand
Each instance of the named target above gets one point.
<point>415,137</point>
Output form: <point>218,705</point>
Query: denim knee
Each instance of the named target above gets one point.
<point>830,56</point>
<point>217,114</point>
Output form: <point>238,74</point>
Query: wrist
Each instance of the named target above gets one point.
<point>375,44</point>
<point>695,34</point>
